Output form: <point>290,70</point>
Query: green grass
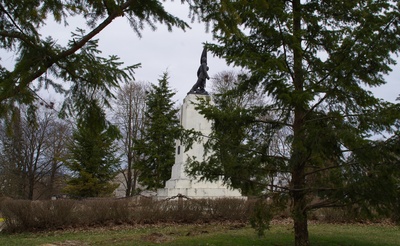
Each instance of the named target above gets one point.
<point>228,235</point>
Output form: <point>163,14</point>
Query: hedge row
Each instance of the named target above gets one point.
<point>23,215</point>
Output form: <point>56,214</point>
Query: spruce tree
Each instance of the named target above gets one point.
<point>93,159</point>
<point>158,143</point>
<point>316,61</point>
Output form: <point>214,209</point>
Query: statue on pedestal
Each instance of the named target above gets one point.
<point>202,75</point>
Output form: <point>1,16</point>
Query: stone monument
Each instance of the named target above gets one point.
<point>180,183</point>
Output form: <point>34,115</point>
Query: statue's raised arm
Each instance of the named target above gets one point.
<point>202,76</point>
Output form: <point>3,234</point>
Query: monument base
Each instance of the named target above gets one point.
<point>197,190</point>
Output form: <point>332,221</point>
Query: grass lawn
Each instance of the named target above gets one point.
<point>228,235</point>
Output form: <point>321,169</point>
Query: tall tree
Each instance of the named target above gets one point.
<point>129,114</point>
<point>93,160</point>
<point>158,143</point>
<point>316,61</point>
<point>43,59</point>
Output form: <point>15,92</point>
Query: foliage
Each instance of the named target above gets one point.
<point>158,143</point>
<point>45,61</point>
<point>93,158</point>
<point>261,217</point>
<point>224,88</point>
<point>315,60</point>
<point>235,137</point>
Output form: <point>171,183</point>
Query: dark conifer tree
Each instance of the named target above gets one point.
<point>93,159</point>
<point>158,143</point>
<point>316,61</point>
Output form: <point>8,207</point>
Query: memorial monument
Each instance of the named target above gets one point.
<point>180,183</point>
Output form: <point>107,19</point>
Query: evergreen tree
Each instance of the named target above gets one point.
<point>93,159</point>
<point>316,60</point>
<point>45,60</point>
<point>158,143</point>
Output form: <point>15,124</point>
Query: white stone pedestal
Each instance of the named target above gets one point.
<point>180,183</point>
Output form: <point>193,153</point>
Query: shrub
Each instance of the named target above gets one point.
<point>17,215</point>
<point>185,211</point>
<point>146,211</point>
<point>54,214</point>
<point>23,215</point>
<point>229,209</point>
<point>261,217</point>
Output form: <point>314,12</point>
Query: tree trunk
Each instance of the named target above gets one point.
<point>128,191</point>
<point>299,151</point>
<point>51,186</point>
<point>135,178</point>
<point>298,192</point>
<point>300,220</point>
<point>31,186</point>
<point>301,232</point>
<point>129,147</point>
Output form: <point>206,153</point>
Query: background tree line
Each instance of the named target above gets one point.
<point>43,155</point>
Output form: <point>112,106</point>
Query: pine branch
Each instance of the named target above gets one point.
<point>273,122</point>
<point>325,204</point>
<point>21,83</point>
<point>18,35</point>
<point>12,20</point>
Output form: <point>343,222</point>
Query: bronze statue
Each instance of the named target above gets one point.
<point>202,75</point>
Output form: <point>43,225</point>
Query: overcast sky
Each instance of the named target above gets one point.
<point>177,52</point>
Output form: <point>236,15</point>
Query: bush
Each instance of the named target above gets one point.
<point>228,209</point>
<point>23,215</point>
<point>348,214</point>
<point>146,211</point>
<point>186,211</point>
